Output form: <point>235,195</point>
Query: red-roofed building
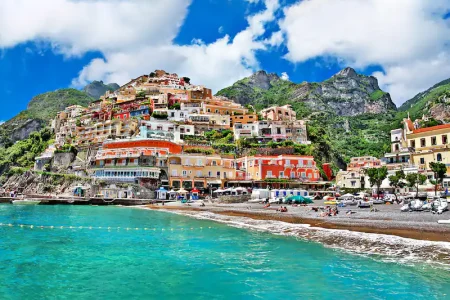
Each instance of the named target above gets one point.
<point>293,167</point>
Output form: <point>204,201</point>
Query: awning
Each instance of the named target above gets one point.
<point>214,182</point>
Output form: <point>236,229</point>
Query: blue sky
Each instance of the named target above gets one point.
<point>216,42</point>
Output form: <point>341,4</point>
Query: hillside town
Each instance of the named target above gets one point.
<point>151,132</point>
<point>154,133</point>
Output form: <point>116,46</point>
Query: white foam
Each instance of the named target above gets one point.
<point>387,247</point>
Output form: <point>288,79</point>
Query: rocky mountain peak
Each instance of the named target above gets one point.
<point>347,72</point>
<point>261,79</point>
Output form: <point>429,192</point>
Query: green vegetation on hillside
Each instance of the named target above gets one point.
<point>23,153</point>
<point>335,139</point>
<point>377,95</point>
<point>45,106</point>
<point>40,111</point>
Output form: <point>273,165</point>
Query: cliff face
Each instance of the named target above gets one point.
<point>349,115</point>
<point>434,103</point>
<point>345,94</point>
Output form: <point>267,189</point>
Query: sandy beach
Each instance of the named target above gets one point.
<point>388,219</point>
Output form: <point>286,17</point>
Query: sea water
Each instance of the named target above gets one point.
<point>124,253</point>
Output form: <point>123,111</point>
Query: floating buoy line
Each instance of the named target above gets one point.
<point>109,228</point>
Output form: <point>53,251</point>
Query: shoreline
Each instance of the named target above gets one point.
<point>424,231</point>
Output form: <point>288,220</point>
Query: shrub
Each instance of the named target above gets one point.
<point>160,116</point>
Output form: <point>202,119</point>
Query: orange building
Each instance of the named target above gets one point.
<point>243,119</point>
<point>293,167</point>
<point>138,161</point>
<point>363,162</point>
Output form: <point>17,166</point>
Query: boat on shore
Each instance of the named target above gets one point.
<point>26,202</point>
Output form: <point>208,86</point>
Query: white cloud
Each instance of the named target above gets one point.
<point>215,65</point>
<point>276,39</point>
<point>135,37</point>
<point>404,37</point>
<point>74,27</point>
<point>284,76</point>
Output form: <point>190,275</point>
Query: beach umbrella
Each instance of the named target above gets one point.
<point>299,199</point>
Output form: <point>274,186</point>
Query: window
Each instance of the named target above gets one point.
<point>303,174</point>
<point>184,173</point>
<point>413,144</point>
<point>422,160</point>
<point>269,173</point>
<point>218,174</point>
<point>309,175</point>
<point>214,163</point>
<point>433,140</point>
<point>292,174</point>
<point>397,147</point>
<point>281,174</point>
<point>199,162</point>
<point>353,183</point>
<point>422,143</point>
<point>439,157</point>
<point>209,174</point>
<point>217,111</point>
<point>444,139</point>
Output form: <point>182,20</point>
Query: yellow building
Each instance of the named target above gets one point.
<point>429,144</point>
<point>199,170</point>
<point>101,131</point>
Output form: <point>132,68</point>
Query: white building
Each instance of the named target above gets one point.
<point>165,130</point>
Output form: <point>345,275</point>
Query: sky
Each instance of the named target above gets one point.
<point>50,44</point>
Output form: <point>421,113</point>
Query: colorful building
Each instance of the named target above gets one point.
<point>292,167</point>
<point>273,130</point>
<point>99,132</point>
<point>200,171</point>
<point>363,162</point>
<point>279,113</point>
<point>141,161</point>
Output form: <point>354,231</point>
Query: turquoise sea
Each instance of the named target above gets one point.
<point>189,259</point>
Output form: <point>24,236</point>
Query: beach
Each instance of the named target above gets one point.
<point>387,234</point>
<point>388,219</point>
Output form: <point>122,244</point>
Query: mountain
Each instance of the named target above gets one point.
<point>345,94</point>
<point>97,88</point>
<point>41,109</point>
<point>433,102</point>
<point>348,114</point>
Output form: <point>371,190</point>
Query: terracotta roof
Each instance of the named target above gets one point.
<point>410,124</point>
<point>420,130</point>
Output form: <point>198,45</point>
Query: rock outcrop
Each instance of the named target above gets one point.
<point>347,93</point>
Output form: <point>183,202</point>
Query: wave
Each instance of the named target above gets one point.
<point>389,248</point>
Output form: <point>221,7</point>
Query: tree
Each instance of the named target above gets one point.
<point>376,177</point>
<point>414,180</point>
<point>439,170</point>
<point>396,181</point>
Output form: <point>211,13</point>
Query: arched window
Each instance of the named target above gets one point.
<point>439,157</point>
